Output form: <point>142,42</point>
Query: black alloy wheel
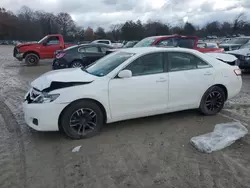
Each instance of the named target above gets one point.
<point>212,101</point>
<point>82,119</point>
<point>76,64</point>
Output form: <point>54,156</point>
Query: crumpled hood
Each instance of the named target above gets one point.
<point>244,52</point>
<point>26,44</point>
<point>64,76</point>
<point>223,56</point>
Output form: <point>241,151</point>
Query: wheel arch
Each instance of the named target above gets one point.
<point>104,111</point>
<point>31,52</point>
<point>224,89</point>
<point>218,85</point>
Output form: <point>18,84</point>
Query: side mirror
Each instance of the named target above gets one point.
<point>125,74</point>
<point>44,44</point>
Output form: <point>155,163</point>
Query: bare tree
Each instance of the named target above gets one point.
<point>65,23</point>
<point>239,22</point>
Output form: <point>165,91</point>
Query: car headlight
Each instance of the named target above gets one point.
<point>46,98</point>
<point>247,58</point>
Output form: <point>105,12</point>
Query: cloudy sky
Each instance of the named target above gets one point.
<point>104,13</point>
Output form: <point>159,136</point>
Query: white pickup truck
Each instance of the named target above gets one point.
<point>109,42</point>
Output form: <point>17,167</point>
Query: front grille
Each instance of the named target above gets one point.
<point>33,94</point>
<point>15,51</point>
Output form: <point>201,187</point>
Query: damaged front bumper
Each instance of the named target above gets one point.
<point>17,54</point>
<point>42,116</point>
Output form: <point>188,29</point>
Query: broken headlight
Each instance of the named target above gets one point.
<point>46,98</point>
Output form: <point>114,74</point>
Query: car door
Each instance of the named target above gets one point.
<point>189,78</point>
<point>145,93</point>
<point>50,46</point>
<point>91,53</point>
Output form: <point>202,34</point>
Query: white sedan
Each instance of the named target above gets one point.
<point>126,84</point>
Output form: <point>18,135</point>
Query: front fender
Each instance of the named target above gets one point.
<point>96,93</point>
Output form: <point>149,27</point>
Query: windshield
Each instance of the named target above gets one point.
<point>145,42</point>
<point>105,65</point>
<point>130,44</point>
<point>44,38</point>
<point>238,41</point>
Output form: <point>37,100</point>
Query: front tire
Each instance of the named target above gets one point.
<point>76,64</point>
<point>212,101</point>
<point>82,119</point>
<point>31,59</point>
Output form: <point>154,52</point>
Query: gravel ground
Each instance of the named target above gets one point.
<point>147,152</point>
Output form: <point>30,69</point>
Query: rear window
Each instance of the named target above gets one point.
<point>184,42</point>
<point>69,48</point>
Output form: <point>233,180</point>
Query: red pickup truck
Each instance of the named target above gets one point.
<point>175,41</point>
<point>43,49</point>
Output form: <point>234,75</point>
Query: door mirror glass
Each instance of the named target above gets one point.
<point>125,74</point>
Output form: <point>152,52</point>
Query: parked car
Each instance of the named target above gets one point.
<point>109,42</point>
<point>243,54</point>
<point>175,41</point>
<point>184,42</point>
<point>130,44</point>
<point>44,49</point>
<point>207,45</point>
<point>4,42</point>
<point>235,43</point>
<point>127,84</point>
<point>80,55</point>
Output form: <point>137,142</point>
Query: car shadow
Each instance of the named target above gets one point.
<point>151,120</point>
<point>113,127</point>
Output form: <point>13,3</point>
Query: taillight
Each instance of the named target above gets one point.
<point>237,72</point>
<point>60,55</point>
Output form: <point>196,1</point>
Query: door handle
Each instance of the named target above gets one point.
<point>207,73</point>
<point>162,80</point>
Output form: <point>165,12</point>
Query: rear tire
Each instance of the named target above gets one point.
<point>31,59</point>
<point>82,119</point>
<point>212,101</point>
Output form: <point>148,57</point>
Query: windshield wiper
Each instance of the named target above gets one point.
<point>84,69</point>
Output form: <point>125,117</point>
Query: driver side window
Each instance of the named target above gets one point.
<point>147,64</point>
<point>53,41</point>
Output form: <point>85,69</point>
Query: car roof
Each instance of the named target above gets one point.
<point>142,50</point>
